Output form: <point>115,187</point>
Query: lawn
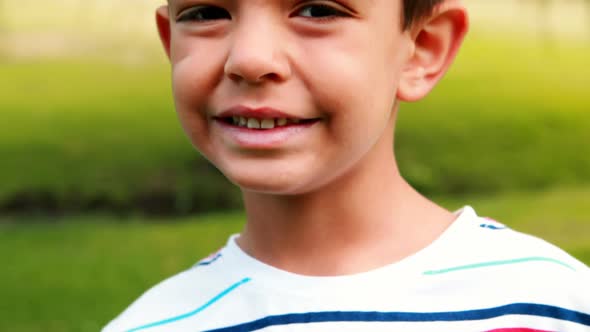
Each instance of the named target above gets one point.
<point>76,273</point>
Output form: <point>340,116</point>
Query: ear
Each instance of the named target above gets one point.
<point>163,24</point>
<point>436,39</point>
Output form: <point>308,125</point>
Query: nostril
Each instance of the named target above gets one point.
<point>270,77</point>
<point>234,77</point>
<point>253,79</point>
<point>255,70</point>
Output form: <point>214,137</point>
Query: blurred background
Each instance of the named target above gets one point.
<point>102,196</point>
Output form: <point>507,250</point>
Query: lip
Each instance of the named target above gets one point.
<point>261,139</point>
<point>258,113</point>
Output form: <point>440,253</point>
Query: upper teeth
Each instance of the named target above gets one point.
<point>267,124</point>
<point>254,123</point>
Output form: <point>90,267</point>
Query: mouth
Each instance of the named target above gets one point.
<point>258,123</point>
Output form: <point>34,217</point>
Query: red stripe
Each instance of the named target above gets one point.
<point>517,329</point>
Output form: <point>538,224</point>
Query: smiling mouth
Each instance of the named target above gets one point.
<point>264,123</point>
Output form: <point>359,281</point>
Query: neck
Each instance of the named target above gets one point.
<point>356,223</point>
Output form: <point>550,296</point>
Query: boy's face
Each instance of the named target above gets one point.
<point>333,65</point>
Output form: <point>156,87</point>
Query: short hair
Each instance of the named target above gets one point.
<point>415,10</point>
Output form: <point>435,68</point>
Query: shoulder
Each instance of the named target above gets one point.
<point>176,296</point>
<point>485,238</point>
<point>503,265</point>
<point>480,238</point>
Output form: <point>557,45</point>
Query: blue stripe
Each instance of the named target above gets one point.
<point>497,263</point>
<point>494,227</point>
<point>194,312</point>
<point>207,262</point>
<point>529,309</point>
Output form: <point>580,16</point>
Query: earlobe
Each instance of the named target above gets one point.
<point>437,40</point>
<point>163,24</point>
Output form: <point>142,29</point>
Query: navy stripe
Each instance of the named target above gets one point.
<point>207,262</point>
<point>494,227</point>
<point>529,309</point>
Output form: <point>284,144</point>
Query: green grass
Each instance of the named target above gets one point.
<point>561,216</point>
<point>75,274</point>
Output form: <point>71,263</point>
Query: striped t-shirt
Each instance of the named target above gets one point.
<point>477,276</point>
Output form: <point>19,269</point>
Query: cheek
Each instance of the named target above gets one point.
<point>354,88</point>
<point>195,70</point>
<point>194,76</point>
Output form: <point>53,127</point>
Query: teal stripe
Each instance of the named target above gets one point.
<point>194,312</point>
<point>496,263</point>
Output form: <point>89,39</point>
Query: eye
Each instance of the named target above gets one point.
<point>320,11</point>
<point>203,14</point>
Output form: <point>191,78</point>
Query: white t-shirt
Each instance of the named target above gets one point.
<point>477,276</point>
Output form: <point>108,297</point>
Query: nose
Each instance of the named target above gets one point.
<point>257,54</point>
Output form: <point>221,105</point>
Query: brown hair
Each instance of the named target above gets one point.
<point>415,10</point>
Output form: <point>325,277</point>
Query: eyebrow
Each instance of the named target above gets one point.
<point>172,2</point>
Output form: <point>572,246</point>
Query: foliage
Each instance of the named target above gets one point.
<point>91,135</point>
<point>501,122</point>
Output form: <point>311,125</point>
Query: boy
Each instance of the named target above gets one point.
<point>295,102</point>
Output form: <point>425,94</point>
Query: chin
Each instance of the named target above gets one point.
<point>264,185</point>
<point>275,175</point>
<point>268,182</point>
